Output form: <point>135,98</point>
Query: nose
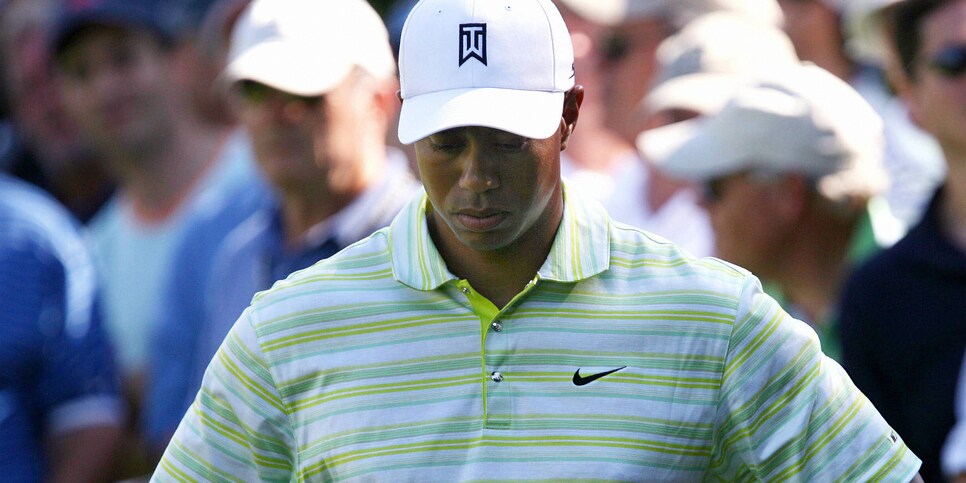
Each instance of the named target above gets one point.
<point>478,175</point>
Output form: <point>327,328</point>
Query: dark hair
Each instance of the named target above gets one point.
<point>907,29</point>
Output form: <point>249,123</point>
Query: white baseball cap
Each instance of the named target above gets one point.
<point>801,119</point>
<point>499,64</point>
<point>702,65</point>
<point>308,47</point>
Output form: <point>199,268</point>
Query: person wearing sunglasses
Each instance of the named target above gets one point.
<point>903,335</point>
<point>845,38</point>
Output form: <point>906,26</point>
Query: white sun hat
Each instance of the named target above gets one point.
<point>702,65</point>
<point>799,120</point>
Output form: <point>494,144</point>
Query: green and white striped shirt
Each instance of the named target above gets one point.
<point>624,359</point>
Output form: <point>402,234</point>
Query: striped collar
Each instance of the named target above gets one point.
<point>581,248</point>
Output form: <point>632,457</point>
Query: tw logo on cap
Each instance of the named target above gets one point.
<point>472,42</point>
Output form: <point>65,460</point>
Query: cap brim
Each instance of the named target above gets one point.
<point>531,114</point>
<point>686,150</point>
<point>286,68</point>
<point>702,93</point>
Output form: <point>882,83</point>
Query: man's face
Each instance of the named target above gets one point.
<point>117,88</point>
<point>489,189</point>
<point>937,99</point>
<point>628,64</point>
<point>303,141</point>
<point>36,101</point>
<point>747,220</point>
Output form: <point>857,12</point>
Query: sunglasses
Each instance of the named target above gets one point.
<point>614,47</point>
<point>713,190</point>
<point>950,61</point>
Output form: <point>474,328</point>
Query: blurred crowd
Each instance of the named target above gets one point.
<point>165,160</point>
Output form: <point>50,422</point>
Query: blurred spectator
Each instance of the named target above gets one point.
<point>61,410</point>
<point>169,362</point>
<point>635,29</point>
<point>44,146</point>
<point>903,334</point>
<point>318,120</point>
<point>615,50</point>
<point>790,165</point>
<point>699,68</point>
<point>841,36</point>
<point>124,81</point>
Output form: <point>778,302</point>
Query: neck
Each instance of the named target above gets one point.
<point>308,204</point>
<point>813,269</point>
<point>596,149</point>
<point>158,179</point>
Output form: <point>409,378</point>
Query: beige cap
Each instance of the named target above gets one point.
<point>701,66</point>
<point>801,119</point>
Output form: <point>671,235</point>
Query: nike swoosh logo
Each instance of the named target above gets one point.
<point>581,380</point>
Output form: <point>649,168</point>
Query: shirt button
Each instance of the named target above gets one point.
<point>497,327</point>
<point>496,377</point>
<point>465,289</point>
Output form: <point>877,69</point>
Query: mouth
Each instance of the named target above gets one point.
<point>482,220</point>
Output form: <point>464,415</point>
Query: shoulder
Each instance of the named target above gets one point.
<point>653,256</point>
<point>353,276</point>
<point>29,217</point>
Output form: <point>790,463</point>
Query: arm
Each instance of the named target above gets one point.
<point>238,427</point>
<point>787,410</point>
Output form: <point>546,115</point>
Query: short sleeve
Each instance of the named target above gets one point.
<point>788,412</point>
<point>237,428</point>
<point>55,304</point>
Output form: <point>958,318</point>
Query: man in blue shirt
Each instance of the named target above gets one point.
<point>318,116</point>
<point>60,405</point>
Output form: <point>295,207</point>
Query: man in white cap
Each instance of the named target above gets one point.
<point>789,167</point>
<point>317,114</point>
<point>503,328</point>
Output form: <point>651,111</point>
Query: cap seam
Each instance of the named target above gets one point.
<point>553,47</point>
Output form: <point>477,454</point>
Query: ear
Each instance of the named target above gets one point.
<point>571,110</point>
<point>387,97</point>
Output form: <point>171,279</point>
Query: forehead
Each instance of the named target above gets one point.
<point>944,26</point>
<point>476,131</point>
<point>107,35</point>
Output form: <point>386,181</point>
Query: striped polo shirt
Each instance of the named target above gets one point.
<point>624,359</point>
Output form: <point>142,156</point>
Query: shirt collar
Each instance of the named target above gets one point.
<point>580,250</point>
